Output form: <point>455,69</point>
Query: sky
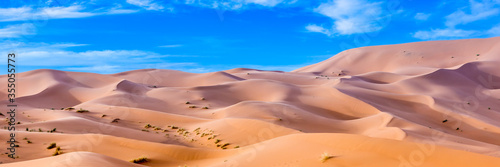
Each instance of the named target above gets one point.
<point>111,36</point>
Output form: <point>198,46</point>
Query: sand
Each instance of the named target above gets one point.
<point>431,104</point>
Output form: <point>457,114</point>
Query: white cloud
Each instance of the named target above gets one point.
<point>15,45</point>
<point>15,14</point>
<point>170,46</point>
<point>120,11</point>
<point>66,45</point>
<point>66,12</point>
<point>17,31</point>
<point>478,11</point>
<point>495,31</point>
<point>270,3</point>
<point>447,33</point>
<point>352,16</point>
<point>75,11</point>
<point>113,60</point>
<point>146,4</point>
<point>101,61</point>
<point>319,29</point>
<point>236,4</point>
<point>422,16</point>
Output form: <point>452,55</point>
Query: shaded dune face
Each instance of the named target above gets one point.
<point>418,104</point>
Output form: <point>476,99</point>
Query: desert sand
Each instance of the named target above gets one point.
<point>432,104</point>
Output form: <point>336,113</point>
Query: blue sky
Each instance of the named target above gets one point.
<point>106,36</point>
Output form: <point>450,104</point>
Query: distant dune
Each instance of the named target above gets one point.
<point>432,104</point>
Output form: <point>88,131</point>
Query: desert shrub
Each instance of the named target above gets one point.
<point>181,130</point>
<point>115,120</point>
<point>51,146</point>
<point>205,108</point>
<point>69,108</point>
<point>147,126</point>
<point>325,157</point>
<point>81,110</point>
<point>57,151</point>
<point>140,160</point>
<point>192,106</point>
<point>224,146</point>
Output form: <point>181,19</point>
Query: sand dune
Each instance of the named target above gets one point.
<point>417,104</point>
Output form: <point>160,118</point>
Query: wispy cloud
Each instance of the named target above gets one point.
<point>18,30</point>
<point>447,33</point>
<point>422,16</point>
<point>100,61</point>
<point>318,29</point>
<point>494,31</point>
<point>237,4</point>
<point>16,14</point>
<point>66,12</point>
<point>350,17</point>
<point>59,12</point>
<point>170,46</point>
<point>475,11</point>
<point>66,45</point>
<point>269,3</point>
<point>146,4</point>
<point>37,46</point>
<point>120,11</point>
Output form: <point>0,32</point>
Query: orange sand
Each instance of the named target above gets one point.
<point>386,108</point>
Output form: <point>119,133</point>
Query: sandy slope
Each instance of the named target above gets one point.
<point>417,104</point>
